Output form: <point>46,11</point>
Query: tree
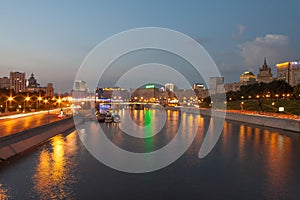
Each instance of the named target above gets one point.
<point>296,91</point>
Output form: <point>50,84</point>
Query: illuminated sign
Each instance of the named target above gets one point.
<point>149,86</point>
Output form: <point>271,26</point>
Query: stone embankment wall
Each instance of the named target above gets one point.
<point>262,120</point>
<point>20,142</point>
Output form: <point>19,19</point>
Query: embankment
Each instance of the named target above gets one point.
<point>20,142</point>
<point>262,120</point>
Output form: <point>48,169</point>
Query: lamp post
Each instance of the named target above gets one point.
<point>39,100</point>
<point>59,102</point>
<point>26,100</point>
<point>46,102</point>
<point>9,99</point>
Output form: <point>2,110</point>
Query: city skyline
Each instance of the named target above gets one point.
<point>51,39</point>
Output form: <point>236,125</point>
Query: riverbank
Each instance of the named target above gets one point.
<point>20,142</point>
<point>290,124</point>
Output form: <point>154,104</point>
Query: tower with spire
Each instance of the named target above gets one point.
<point>265,74</point>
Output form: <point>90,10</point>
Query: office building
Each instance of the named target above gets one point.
<point>17,81</point>
<point>289,71</point>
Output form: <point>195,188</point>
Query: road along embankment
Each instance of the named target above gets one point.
<point>257,119</point>
<point>20,142</point>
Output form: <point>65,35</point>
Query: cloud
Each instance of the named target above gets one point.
<point>239,32</point>
<point>274,47</point>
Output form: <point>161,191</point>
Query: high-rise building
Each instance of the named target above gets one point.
<point>80,86</point>
<point>264,74</point>
<point>17,81</point>
<point>289,71</point>
<point>80,89</point>
<point>5,83</point>
<point>216,85</point>
<point>169,87</point>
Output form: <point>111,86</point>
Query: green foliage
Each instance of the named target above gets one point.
<point>276,87</point>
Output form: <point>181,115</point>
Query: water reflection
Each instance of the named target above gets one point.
<point>148,123</point>
<point>3,192</point>
<point>278,161</point>
<point>248,162</point>
<point>262,151</point>
<point>54,172</point>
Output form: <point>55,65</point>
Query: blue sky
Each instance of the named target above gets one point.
<point>51,38</point>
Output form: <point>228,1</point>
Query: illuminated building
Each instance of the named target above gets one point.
<point>169,87</point>
<point>289,71</point>
<point>17,81</point>
<point>198,86</point>
<point>264,74</point>
<point>247,77</point>
<point>114,94</point>
<point>33,85</point>
<point>49,90</point>
<point>145,94</point>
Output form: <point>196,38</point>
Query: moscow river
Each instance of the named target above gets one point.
<point>248,162</point>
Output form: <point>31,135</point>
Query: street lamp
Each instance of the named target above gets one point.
<point>59,101</point>
<point>9,99</point>
<point>46,101</point>
<point>26,100</point>
<point>39,100</point>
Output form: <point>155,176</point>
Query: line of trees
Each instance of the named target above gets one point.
<point>274,89</point>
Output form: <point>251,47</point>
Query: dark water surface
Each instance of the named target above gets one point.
<point>248,162</point>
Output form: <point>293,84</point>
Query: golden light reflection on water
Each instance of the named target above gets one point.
<point>3,193</point>
<point>241,142</point>
<point>53,174</point>
<point>278,160</point>
<point>274,148</point>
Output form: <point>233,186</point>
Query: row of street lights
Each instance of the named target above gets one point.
<point>10,99</point>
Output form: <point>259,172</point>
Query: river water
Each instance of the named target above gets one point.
<point>248,162</point>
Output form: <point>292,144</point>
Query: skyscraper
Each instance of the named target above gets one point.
<point>17,81</point>
<point>289,71</point>
<point>264,74</point>
<point>169,87</point>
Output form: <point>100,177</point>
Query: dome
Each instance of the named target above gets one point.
<point>248,73</point>
<point>247,77</point>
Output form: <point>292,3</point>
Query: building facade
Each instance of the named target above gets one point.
<point>216,85</point>
<point>5,83</point>
<point>49,90</point>
<point>289,71</point>
<point>169,87</point>
<point>33,85</point>
<point>17,81</point>
<point>80,89</point>
<point>247,77</point>
<point>264,74</point>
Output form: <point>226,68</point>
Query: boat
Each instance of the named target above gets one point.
<point>108,118</point>
<point>116,118</point>
<point>101,117</point>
